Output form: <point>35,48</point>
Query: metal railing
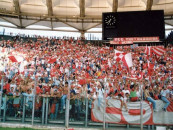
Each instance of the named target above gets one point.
<point>43,111</point>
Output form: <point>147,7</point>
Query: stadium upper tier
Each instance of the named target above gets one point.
<point>81,15</point>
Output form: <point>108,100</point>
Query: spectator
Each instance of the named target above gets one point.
<point>133,95</point>
<point>100,95</point>
<point>149,98</point>
<point>164,97</point>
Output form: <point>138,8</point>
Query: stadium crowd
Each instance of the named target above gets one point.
<point>68,68</point>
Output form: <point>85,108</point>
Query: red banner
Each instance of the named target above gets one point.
<point>131,40</point>
<point>121,42</point>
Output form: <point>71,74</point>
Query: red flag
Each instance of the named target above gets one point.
<point>82,81</point>
<point>51,61</point>
<point>12,58</point>
<point>150,66</point>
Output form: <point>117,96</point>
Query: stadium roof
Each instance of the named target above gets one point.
<point>81,15</point>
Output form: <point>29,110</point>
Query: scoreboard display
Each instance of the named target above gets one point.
<point>133,24</point>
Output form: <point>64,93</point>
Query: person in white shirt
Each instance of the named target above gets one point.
<point>29,98</point>
<point>123,100</point>
<point>13,85</point>
<point>126,99</point>
<point>100,93</point>
<point>126,90</point>
<point>164,94</point>
<point>110,96</point>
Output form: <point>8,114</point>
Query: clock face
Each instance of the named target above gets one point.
<point>110,20</point>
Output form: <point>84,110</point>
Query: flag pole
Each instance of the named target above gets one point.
<point>141,107</point>
<point>67,104</point>
<point>33,106</point>
<point>2,84</point>
<point>35,85</point>
<point>104,106</point>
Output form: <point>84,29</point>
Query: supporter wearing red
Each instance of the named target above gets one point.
<point>7,88</point>
<point>88,62</point>
<point>56,94</point>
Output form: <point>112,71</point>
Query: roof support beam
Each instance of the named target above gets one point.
<point>171,24</point>
<point>82,8</point>
<point>82,33</point>
<point>115,6</point>
<point>49,7</point>
<point>11,14</point>
<point>17,11</point>
<point>50,10</point>
<point>93,26</point>
<point>149,4</point>
<point>67,24</point>
<point>33,23</point>
<point>9,21</point>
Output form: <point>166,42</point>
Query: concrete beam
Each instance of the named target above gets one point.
<point>55,18</point>
<point>50,11</point>
<point>17,11</point>
<point>49,7</point>
<point>12,14</point>
<point>82,8</point>
<point>82,33</point>
<point>149,4</point>
<point>115,6</point>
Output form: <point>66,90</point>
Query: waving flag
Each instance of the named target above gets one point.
<point>119,55</point>
<point>148,50</point>
<point>52,60</point>
<point>127,60</point>
<point>12,58</point>
<point>158,50</point>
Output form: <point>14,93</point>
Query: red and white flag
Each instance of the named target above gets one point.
<point>148,50</point>
<point>127,60</point>
<point>118,55</point>
<point>158,50</point>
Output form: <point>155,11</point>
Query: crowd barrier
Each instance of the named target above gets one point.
<point>82,112</point>
<point>16,110</point>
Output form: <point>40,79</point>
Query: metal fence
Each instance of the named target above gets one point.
<point>46,110</point>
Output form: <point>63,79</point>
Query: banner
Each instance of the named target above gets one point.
<point>131,40</point>
<point>121,42</point>
<point>132,116</point>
